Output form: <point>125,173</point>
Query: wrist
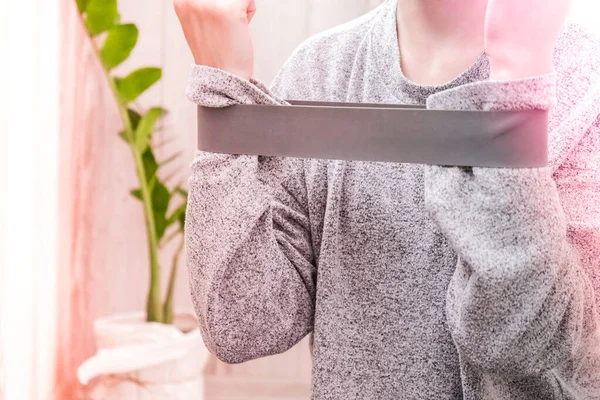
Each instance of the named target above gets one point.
<point>519,68</point>
<point>240,73</point>
<point>521,72</point>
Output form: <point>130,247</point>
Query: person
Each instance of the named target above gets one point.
<point>413,281</point>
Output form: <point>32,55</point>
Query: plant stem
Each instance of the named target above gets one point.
<point>154,311</point>
<point>153,306</point>
<point>168,306</point>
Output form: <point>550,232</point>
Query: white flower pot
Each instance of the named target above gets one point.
<point>137,360</point>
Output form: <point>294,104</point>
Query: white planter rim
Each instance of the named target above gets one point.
<point>127,321</point>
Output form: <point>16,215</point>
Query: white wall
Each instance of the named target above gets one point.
<point>588,13</point>
<point>29,43</point>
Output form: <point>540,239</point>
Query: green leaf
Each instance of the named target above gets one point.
<point>160,198</point>
<point>101,15</point>
<point>82,5</point>
<point>182,221</point>
<point>118,45</point>
<point>176,214</point>
<point>143,133</point>
<point>137,82</point>
<point>160,204</point>
<point>123,135</point>
<point>183,193</point>
<point>134,118</point>
<point>150,165</point>
<point>160,222</point>
<point>137,193</point>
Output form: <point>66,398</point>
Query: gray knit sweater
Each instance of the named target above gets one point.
<point>414,281</point>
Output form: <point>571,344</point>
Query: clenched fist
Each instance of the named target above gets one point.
<point>218,34</point>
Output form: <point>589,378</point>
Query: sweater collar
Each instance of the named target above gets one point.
<point>386,56</point>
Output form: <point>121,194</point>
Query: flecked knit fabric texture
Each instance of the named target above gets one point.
<point>414,281</point>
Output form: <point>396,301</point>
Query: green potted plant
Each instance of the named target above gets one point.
<point>159,350</point>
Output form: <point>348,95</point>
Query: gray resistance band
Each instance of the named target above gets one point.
<point>378,132</point>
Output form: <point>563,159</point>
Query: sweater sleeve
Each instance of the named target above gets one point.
<point>521,302</point>
<point>249,257</point>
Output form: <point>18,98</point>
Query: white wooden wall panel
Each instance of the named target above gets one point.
<point>325,14</point>
<point>103,247</point>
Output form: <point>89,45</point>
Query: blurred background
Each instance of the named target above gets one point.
<point>73,245</point>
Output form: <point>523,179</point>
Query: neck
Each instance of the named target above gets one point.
<point>440,38</point>
<point>436,23</point>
